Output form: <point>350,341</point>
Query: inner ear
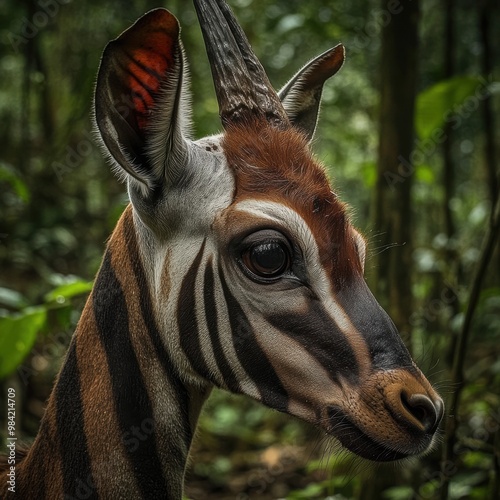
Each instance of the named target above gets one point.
<point>301,96</point>
<point>138,98</point>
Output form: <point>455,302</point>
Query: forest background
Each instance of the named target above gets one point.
<point>409,131</point>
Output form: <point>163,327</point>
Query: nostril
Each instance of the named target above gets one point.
<point>429,414</point>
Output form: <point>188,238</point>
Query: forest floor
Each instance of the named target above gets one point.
<point>271,474</point>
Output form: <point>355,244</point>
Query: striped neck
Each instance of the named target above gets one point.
<point>135,443</point>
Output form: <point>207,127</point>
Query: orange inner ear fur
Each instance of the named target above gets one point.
<point>148,52</point>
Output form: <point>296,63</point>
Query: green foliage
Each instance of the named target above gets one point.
<point>20,330</point>
<point>311,491</point>
<point>399,493</point>
<point>335,488</point>
<point>19,187</point>
<point>18,334</point>
<point>448,101</point>
<point>68,290</point>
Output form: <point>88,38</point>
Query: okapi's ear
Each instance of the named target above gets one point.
<point>139,100</point>
<point>301,96</point>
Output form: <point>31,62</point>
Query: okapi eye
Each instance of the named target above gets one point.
<point>267,258</point>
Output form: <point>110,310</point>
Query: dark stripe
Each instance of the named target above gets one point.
<point>144,86</point>
<point>132,404</point>
<point>183,399</point>
<point>321,337</point>
<point>189,333</point>
<point>75,459</point>
<point>32,484</point>
<point>148,69</point>
<point>386,347</point>
<point>251,356</point>
<point>213,329</point>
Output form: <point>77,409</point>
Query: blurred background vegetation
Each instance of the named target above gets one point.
<point>410,134</point>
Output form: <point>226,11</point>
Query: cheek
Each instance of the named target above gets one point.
<point>307,382</point>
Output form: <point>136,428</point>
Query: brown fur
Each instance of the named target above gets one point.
<point>277,165</point>
<point>21,452</point>
<point>98,407</point>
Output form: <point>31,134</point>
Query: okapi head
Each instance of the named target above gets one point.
<point>254,268</point>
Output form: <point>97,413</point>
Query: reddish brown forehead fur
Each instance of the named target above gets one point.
<point>277,165</point>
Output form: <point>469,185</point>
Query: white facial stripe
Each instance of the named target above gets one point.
<point>181,255</point>
<point>320,282</point>
<point>224,333</point>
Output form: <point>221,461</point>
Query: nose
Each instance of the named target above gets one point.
<point>428,413</point>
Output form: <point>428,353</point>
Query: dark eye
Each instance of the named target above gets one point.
<point>266,255</point>
<point>267,260</point>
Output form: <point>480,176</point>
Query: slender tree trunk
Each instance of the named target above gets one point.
<point>458,372</point>
<point>392,212</point>
<point>458,379</point>
<point>29,57</point>
<point>47,118</point>
<point>449,71</point>
<point>393,209</point>
<point>454,263</point>
<point>486,11</point>
<point>495,490</point>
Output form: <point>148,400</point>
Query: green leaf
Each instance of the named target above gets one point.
<point>64,292</point>
<point>20,188</point>
<point>369,173</point>
<point>12,298</point>
<point>399,493</point>
<point>17,335</point>
<point>312,490</point>
<point>452,100</point>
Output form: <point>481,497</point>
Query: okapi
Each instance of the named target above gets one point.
<point>235,265</point>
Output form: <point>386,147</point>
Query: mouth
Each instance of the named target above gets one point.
<point>387,448</point>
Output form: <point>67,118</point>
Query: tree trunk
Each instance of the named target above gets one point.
<point>392,212</point>
<point>486,10</point>
<point>449,71</point>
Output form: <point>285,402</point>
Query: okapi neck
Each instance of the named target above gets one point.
<point>119,421</point>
